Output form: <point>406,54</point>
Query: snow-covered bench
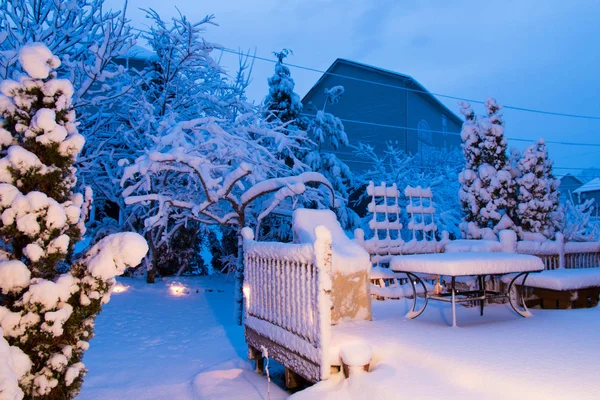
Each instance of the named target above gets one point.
<point>564,288</point>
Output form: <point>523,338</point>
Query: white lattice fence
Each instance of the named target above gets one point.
<point>288,302</point>
<point>421,212</point>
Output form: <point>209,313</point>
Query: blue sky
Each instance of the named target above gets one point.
<point>530,53</point>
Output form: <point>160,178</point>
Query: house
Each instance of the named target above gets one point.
<point>136,57</point>
<point>590,190</point>
<point>568,183</point>
<point>396,109</point>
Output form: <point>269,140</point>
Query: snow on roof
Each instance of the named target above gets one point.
<point>591,186</point>
<point>389,72</point>
<point>570,176</point>
<point>138,53</point>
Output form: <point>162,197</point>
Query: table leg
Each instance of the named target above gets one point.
<point>453,301</point>
<point>482,289</point>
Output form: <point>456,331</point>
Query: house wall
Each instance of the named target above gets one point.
<point>423,108</point>
<point>589,195</point>
<point>364,101</point>
<point>567,185</point>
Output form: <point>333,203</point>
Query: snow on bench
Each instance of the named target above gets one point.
<point>464,264</point>
<point>350,264</point>
<point>564,279</point>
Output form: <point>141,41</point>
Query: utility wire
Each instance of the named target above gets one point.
<point>353,121</point>
<point>446,96</point>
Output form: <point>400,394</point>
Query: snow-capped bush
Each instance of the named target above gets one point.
<point>45,313</point>
<point>487,192</point>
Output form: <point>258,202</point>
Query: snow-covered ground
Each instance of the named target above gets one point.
<point>150,344</point>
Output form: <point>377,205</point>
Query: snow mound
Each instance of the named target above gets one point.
<point>348,256</point>
<point>110,256</point>
<point>14,276</point>
<point>356,354</point>
<point>37,60</point>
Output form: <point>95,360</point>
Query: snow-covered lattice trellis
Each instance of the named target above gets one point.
<point>421,212</point>
<point>385,208</point>
<point>385,223</point>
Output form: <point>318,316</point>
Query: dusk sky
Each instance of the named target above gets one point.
<point>533,54</point>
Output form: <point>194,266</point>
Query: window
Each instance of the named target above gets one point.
<point>444,125</point>
<point>424,137</point>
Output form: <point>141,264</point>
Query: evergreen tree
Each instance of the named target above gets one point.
<point>282,103</point>
<point>48,304</point>
<point>537,191</point>
<point>487,192</point>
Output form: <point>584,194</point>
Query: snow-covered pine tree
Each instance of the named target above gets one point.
<point>487,191</point>
<point>47,306</point>
<point>282,103</point>
<point>327,129</point>
<point>89,39</point>
<point>537,199</point>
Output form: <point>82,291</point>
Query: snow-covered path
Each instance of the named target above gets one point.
<point>152,345</point>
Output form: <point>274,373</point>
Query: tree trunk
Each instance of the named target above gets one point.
<point>150,275</point>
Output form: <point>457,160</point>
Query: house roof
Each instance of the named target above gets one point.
<point>412,81</point>
<point>570,176</point>
<point>591,186</point>
<point>138,53</point>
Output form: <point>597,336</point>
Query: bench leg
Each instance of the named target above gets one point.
<point>453,301</point>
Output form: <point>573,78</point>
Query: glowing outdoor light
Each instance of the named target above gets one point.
<point>177,289</point>
<point>246,291</point>
<point>119,288</point>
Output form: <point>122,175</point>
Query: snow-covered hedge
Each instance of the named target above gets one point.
<point>46,314</point>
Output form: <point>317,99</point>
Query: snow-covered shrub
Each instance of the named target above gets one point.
<point>45,312</point>
<point>537,198</point>
<point>214,171</point>
<point>580,221</point>
<point>488,191</point>
<point>433,167</point>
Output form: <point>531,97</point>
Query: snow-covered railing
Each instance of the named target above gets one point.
<point>288,301</point>
<point>555,254</point>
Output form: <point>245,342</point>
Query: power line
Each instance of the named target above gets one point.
<point>451,133</point>
<point>446,96</point>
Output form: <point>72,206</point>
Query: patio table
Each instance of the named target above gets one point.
<point>479,265</point>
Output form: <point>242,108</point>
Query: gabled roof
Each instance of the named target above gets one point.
<point>412,81</point>
<point>138,53</point>
<point>591,186</point>
<point>568,175</point>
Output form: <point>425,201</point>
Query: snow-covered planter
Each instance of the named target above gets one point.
<point>47,302</point>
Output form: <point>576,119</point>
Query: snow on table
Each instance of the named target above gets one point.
<point>463,264</point>
<point>563,279</point>
<point>466,245</point>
